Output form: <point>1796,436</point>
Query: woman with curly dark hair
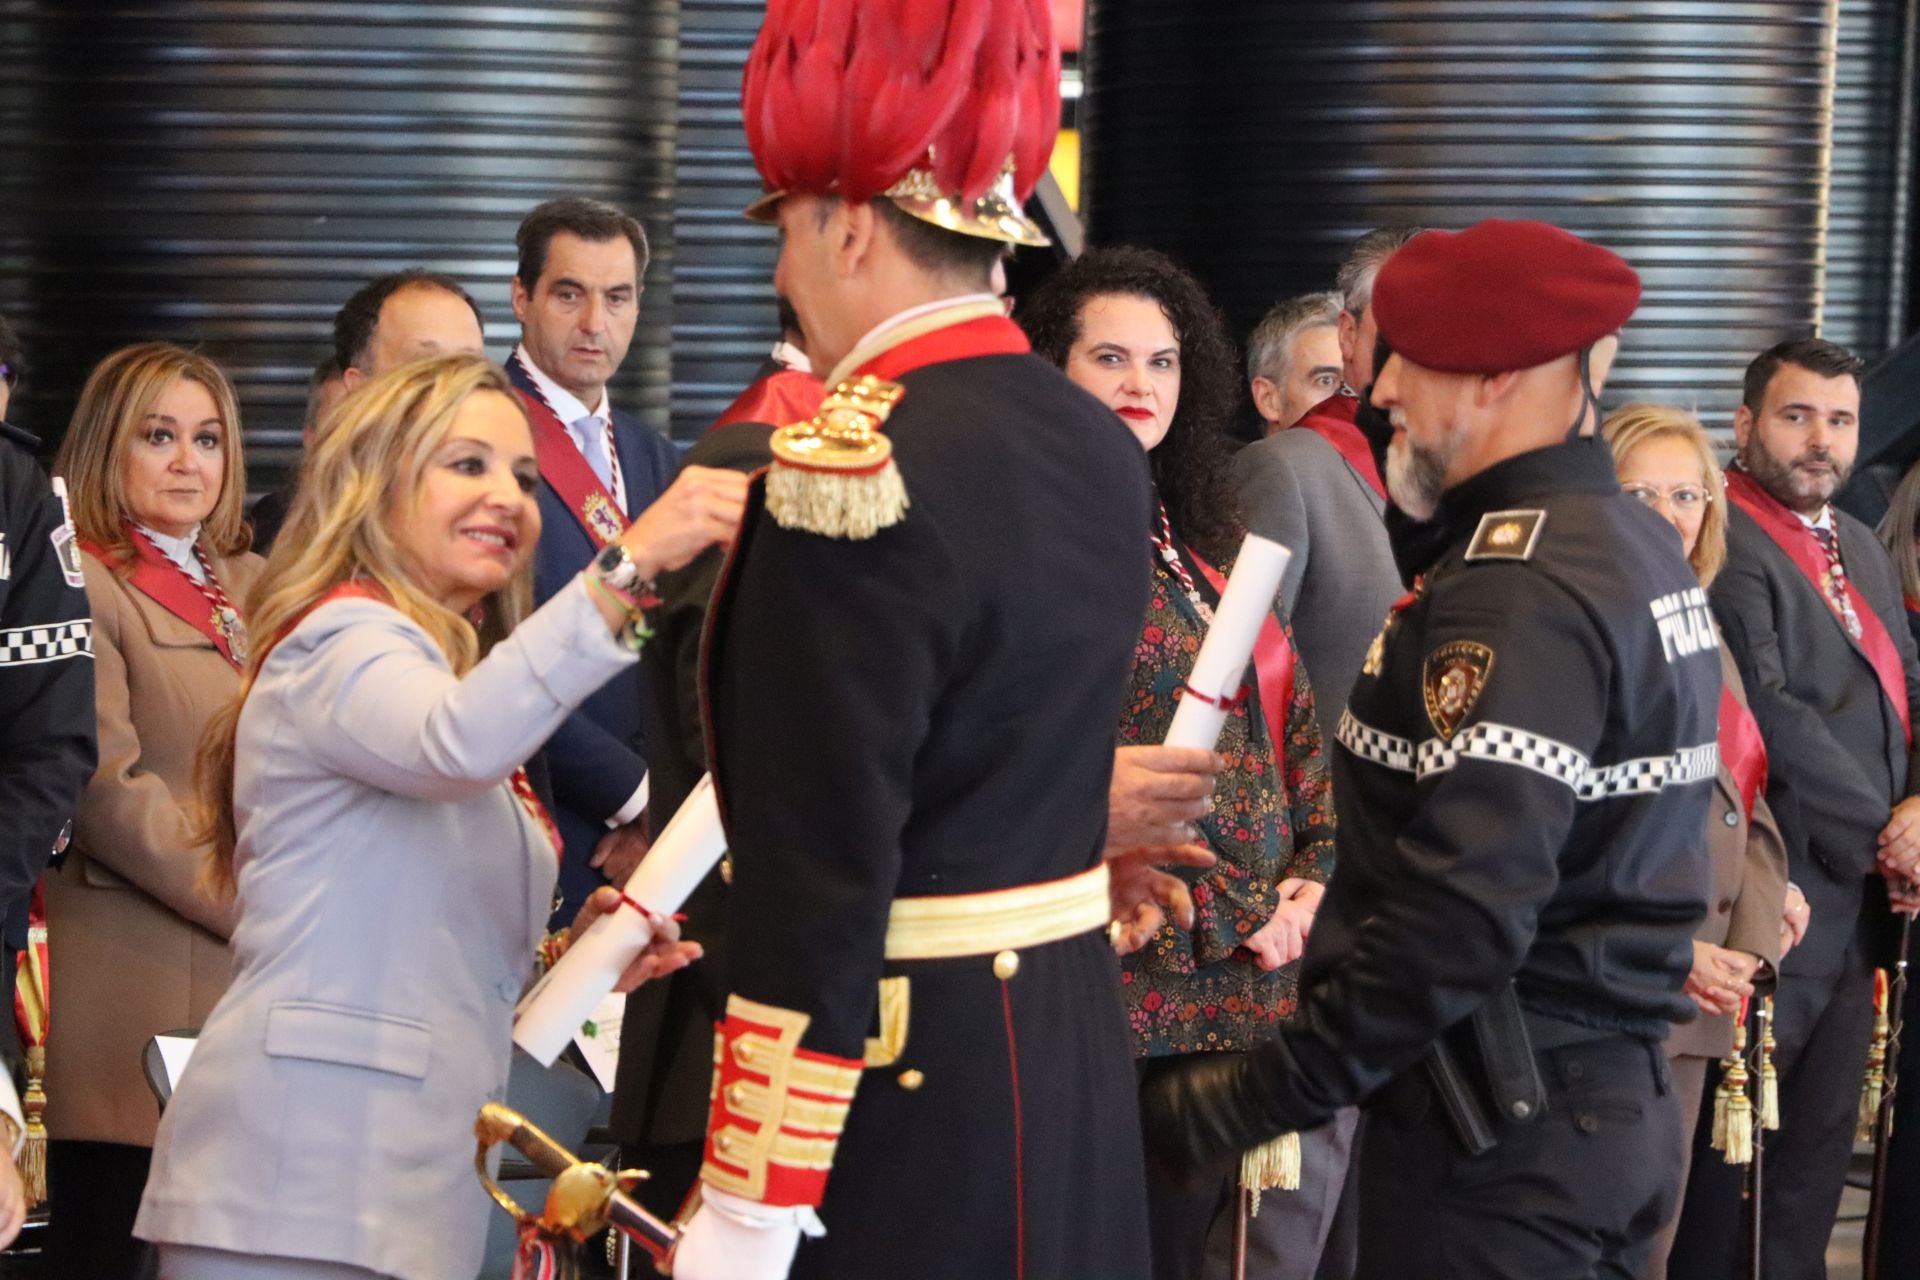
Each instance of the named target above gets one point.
<point>1139,333</point>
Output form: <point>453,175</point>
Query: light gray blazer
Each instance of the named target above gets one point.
<point>391,893</point>
<point>1296,489</point>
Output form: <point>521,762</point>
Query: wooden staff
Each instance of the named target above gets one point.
<point>1883,1126</point>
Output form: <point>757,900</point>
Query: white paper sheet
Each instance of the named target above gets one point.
<point>1221,665</point>
<point>551,1013</point>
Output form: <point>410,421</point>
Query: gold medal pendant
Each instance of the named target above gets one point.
<point>233,631</point>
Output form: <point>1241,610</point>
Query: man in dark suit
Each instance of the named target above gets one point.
<point>1810,607</point>
<point>576,294</point>
<point>325,387</point>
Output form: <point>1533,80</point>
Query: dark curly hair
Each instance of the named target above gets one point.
<point>1190,467</point>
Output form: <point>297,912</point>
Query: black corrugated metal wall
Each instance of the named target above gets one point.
<point>1864,297</point>
<point>723,320</point>
<point>227,172</point>
<point>1256,142</point>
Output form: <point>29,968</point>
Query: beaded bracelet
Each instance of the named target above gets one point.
<point>635,632</point>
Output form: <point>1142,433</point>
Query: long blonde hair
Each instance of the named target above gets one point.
<point>119,394</point>
<point>365,472</point>
<point>1899,527</point>
<point>1632,425</point>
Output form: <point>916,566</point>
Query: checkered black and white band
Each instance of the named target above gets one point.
<point>1504,744</point>
<point>24,646</point>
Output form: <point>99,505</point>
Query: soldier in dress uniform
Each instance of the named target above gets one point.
<point>1522,785</point>
<point>913,663</point>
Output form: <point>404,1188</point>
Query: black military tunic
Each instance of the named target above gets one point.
<point>1522,787</point>
<point>920,714</point>
<point>47,749</point>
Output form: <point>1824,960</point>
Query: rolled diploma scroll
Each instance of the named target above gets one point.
<point>679,860</point>
<point>1221,666</point>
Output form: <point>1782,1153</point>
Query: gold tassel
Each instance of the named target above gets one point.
<point>1721,1094</point>
<point>33,1152</point>
<point>836,505</point>
<point>1738,1118</point>
<point>1876,1081</point>
<point>834,474</point>
<point>1769,1078</point>
<point>1271,1166</point>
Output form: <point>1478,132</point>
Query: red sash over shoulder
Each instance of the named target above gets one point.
<point>1272,667</point>
<point>1792,536</point>
<point>778,399</point>
<point>1742,750</point>
<point>167,585</point>
<point>562,467</point>
<point>1333,421</point>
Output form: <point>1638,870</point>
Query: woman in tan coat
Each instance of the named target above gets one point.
<point>1753,916</point>
<point>155,474</point>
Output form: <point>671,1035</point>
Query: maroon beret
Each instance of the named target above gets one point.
<point>1500,296</point>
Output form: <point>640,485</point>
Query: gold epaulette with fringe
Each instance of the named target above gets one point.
<point>834,474</point>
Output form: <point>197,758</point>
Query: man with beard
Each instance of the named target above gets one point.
<point>1810,606</point>
<point>1525,768</point>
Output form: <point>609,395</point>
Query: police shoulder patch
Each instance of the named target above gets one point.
<point>1507,535</point>
<point>1455,676</point>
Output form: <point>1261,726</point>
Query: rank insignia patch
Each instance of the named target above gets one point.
<point>1507,535</point>
<point>1456,673</point>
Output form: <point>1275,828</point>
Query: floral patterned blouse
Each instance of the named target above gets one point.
<point>1191,991</point>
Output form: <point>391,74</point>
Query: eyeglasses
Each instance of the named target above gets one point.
<point>1686,499</point>
<point>8,374</point>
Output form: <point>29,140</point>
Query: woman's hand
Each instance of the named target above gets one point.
<point>1720,978</point>
<point>1283,939</point>
<point>1794,920</point>
<point>700,508</point>
<point>664,955</point>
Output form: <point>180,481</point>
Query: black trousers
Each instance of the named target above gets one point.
<point>1014,1147</point>
<point>1577,1194</point>
<point>1821,1027</point>
<point>93,1192</point>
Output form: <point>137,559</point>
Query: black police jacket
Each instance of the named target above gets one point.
<point>1522,784</point>
<point>47,747</point>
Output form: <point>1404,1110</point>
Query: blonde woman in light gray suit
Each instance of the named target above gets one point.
<point>393,870</point>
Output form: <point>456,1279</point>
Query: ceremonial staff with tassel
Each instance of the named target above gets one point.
<point>1883,1088</point>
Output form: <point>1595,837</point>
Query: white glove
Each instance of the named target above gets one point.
<point>732,1238</point>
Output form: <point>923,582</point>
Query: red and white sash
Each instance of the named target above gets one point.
<point>203,606</point>
<point>1790,533</point>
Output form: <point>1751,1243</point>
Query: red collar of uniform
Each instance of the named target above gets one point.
<point>980,336</point>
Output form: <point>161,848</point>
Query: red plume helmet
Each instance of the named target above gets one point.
<point>946,107</point>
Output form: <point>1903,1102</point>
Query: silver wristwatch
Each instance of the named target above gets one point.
<point>615,567</point>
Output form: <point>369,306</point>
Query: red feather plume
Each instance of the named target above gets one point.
<point>848,95</point>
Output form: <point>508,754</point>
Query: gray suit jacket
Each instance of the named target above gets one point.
<point>1296,489</point>
<point>1836,754</point>
<point>391,893</point>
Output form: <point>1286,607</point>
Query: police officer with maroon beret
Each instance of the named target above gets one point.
<point>1522,783</point>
